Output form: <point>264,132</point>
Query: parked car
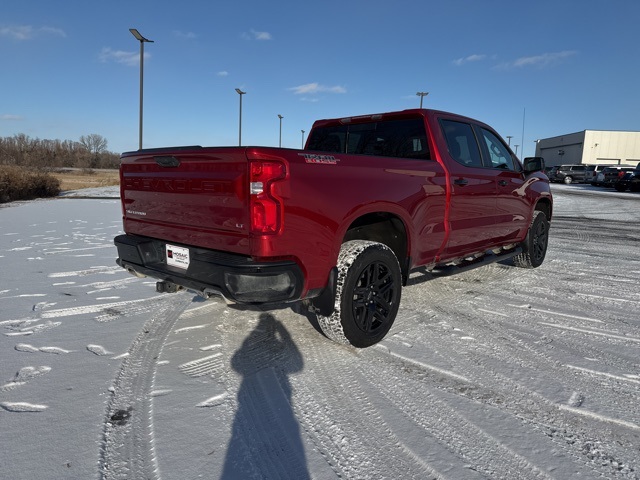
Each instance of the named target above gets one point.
<point>610,175</point>
<point>630,180</point>
<point>550,172</point>
<point>570,174</point>
<point>593,171</point>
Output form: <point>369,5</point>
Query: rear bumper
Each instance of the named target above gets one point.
<point>236,277</point>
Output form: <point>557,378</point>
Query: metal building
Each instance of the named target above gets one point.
<point>591,147</point>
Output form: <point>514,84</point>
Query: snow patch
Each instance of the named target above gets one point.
<point>20,407</point>
<point>98,350</point>
<point>213,401</point>
<point>25,347</point>
<point>188,329</point>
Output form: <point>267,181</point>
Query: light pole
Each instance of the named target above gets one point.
<point>517,149</point>
<point>280,140</point>
<point>240,92</point>
<point>509,137</point>
<point>302,139</point>
<point>422,95</point>
<point>142,41</point>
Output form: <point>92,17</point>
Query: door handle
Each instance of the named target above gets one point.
<point>503,183</point>
<point>461,181</point>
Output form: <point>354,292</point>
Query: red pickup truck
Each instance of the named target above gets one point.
<point>339,225</point>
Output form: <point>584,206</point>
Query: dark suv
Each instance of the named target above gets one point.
<point>570,174</point>
<point>630,180</point>
<point>610,175</point>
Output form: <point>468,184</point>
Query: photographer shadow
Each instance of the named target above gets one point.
<point>265,437</point>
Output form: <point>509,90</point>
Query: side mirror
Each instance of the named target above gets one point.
<point>533,164</point>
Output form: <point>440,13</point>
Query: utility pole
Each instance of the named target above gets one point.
<point>241,93</point>
<point>422,95</point>
<point>142,41</point>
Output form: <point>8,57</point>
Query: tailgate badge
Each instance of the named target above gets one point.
<point>168,161</point>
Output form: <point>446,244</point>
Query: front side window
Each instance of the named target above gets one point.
<point>499,155</point>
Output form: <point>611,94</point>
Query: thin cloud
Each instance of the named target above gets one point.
<point>254,35</point>
<point>184,35</point>
<point>315,88</point>
<point>223,73</point>
<point>261,35</point>
<point>130,59</point>
<point>539,61</point>
<point>28,32</point>
<point>11,118</point>
<point>471,58</point>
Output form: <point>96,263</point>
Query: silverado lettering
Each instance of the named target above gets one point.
<point>260,225</point>
<point>325,159</point>
<point>174,185</point>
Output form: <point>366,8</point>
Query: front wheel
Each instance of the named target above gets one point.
<point>534,247</point>
<point>568,180</point>
<point>368,293</point>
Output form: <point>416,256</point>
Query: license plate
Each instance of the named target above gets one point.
<point>177,256</point>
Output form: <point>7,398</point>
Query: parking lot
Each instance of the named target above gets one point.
<point>499,372</point>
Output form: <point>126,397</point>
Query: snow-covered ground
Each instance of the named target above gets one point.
<point>496,373</point>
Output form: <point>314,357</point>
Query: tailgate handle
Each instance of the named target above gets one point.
<point>167,161</point>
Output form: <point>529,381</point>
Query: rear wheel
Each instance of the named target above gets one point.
<point>534,247</point>
<point>568,180</point>
<point>368,294</point>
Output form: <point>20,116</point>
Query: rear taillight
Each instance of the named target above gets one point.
<point>266,206</point>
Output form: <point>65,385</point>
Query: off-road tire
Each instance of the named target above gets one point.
<point>368,294</point>
<point>534,247</point>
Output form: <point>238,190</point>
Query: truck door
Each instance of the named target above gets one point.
<point>512,209</point>
<point>473,191</point>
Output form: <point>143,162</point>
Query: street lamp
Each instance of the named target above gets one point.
<point>240,92</point>
<point>516,149</point>
<point>142,41</point>
<point>302,139</point>
<point>280,141</point>
<point>509,137</point>
<point>422,95</point>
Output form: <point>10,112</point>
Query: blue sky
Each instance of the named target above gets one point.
<point>72,68</point>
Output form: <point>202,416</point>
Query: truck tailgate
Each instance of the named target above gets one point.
<point>190,195</point>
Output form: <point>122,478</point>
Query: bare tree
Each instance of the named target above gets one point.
<point>24,151</point>
<point>96,144</point>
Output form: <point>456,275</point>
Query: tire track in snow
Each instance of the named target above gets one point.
<point>567,427</point>
<point>128,439</point>
<point>501,339</point>
<point>342,422</point>
<point>481,451</point>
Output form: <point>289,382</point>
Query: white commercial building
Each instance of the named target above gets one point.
<point>591,147</point>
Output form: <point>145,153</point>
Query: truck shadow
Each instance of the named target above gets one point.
<point>265,437</point>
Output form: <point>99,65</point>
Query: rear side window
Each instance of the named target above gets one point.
<point>462,143</point>
<point>389,138</point>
